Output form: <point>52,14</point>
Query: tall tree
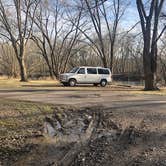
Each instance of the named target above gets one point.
<point>149,23</point>
<point>104,17</point>
<point>56,36</point>
<point>16,27</point>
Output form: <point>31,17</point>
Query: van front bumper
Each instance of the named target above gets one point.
<point>63,79</point>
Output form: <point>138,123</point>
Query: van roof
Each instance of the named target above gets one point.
<point>94,67</point>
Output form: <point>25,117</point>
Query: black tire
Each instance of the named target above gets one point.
<point>95,84</point>
<point>103,83</point>
<point>72,82</point>
<point>65,84</point>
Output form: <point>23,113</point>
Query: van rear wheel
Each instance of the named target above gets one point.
<point>72,82</point>
<point>103,83</point>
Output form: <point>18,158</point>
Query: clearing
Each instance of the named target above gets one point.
<point>126,126</point>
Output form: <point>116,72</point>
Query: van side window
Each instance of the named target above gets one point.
<point>103,71</point>
<point>81,71</point>
<point>91,71</point>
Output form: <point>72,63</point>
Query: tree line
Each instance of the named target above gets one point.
<point>50,37</point>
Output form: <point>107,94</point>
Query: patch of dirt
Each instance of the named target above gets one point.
<point>95,137</point>
<point>85,96</point>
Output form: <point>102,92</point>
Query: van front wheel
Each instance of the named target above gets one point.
<point>103,83</point>
<point>72,82</point>
<point>95,84</point>
<point>65,84</point>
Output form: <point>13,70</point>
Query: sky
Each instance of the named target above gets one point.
<point>130,17</point>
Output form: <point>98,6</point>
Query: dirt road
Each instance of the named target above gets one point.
<point>119,97</point>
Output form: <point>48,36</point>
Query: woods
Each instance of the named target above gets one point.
<point>18,29</point>
<point>46,38</point>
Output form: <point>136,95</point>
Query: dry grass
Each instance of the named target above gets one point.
<point>18,121</point>
<point>20,118</point>
<point>54,84</point>
<point>161,92</point>
<point>15,83</point>
<point>44,84</point>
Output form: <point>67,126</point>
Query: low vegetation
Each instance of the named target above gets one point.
<point>162,91</point>
<point>15,83</point>
<point>20,121</point>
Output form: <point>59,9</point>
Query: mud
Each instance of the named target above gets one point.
<point>117,137</point>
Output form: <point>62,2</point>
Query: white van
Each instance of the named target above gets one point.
<point>87,75</point>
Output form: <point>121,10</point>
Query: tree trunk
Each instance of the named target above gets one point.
<point>56,71</point>
<point>104,60</point>
<point>23,73</point>
<point>149,71</point>
<point>50,70</point>
<point>112,57</point>
<point>51,74</point>
<point>149,82</point>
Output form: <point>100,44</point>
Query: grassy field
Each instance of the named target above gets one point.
<point>20,121</point>
<point>15,83</point>
<point>16,116</point>
<point>50,84</point>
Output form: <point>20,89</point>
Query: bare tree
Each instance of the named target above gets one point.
<point>8,61</point>
<point>162,60</point>
<point>55,36</point>
<point>104,19</point>
<point>16,27</point>
<point>149,24</point>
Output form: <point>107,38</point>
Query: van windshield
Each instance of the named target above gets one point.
<point>74,70</point>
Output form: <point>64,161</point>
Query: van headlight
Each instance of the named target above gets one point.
<point>62,77</point>
<point>65,77</point>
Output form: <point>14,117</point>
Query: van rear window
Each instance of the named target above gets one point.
<point>91,71</point>
<point>103,71</point>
